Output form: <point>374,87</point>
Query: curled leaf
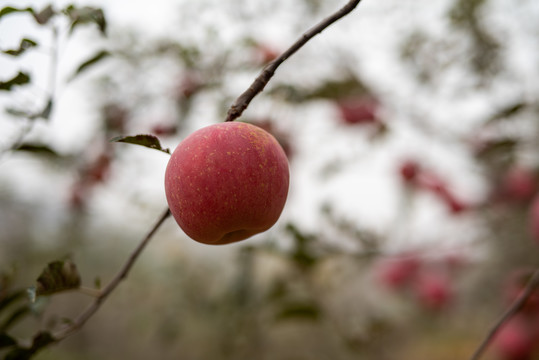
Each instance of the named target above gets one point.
<point>20,79</point>
<point>91,61</point>
<point>23,46</point>
<point>86,15</point>
<point>149,141</point>
<point>58,276</point>
<point>10,10</point>
<point>44,15</point>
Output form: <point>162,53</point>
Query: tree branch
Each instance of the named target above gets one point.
<point>103,294</point>
<point>263,78</point>
<point>513,309</point>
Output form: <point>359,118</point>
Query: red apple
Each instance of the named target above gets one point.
<point>282,137</point>
<point>227,182</point>
<point>513,341</point>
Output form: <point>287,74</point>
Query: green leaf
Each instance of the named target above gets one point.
<point>91,61</point>
<point>497,148</point>
<point>507,112</point>
<point>9,10</point>
<point>38,149</point>
<point>41,17</point>
<point>23,46</point>
<point>149,141</point>
<point>86,15</point>
<point>20,79</point>
<point>6,340</point>
<point>56,277</point>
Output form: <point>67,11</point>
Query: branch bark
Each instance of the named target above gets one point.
<point>107,290</point>
<point>242,102</point>
<point>509,313</point>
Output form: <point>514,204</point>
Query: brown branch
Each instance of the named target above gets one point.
<point>509,313</point>
<point>105,292</point>
<point>263,78</point>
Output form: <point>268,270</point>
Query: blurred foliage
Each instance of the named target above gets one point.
<point>336,294</point>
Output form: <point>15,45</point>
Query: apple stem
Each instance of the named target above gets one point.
<point>509,313</point>
<point>111,286</point>
<point>263,78</point>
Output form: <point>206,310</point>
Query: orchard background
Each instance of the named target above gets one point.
<point>412,135</point>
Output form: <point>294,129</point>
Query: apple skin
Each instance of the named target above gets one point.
<point>227,182</point>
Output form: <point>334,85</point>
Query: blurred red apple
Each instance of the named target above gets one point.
<point>513,341</point>
<point>409,170</point>
<point>534,218</point>
<point>398,272</point>
<point>430,181</point>
<point>264,54</point>
<point>227,182</point>
<point>98,169</point>
<point>360,110</point>
<point>519,184</point>
<point>164,129</point>
<point>434,290</point>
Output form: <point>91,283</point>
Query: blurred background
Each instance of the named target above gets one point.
<point>412,135</point>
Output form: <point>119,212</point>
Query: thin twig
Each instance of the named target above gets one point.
<point>513,309</point>
<point>122,274</point>
<point>260,82</point>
